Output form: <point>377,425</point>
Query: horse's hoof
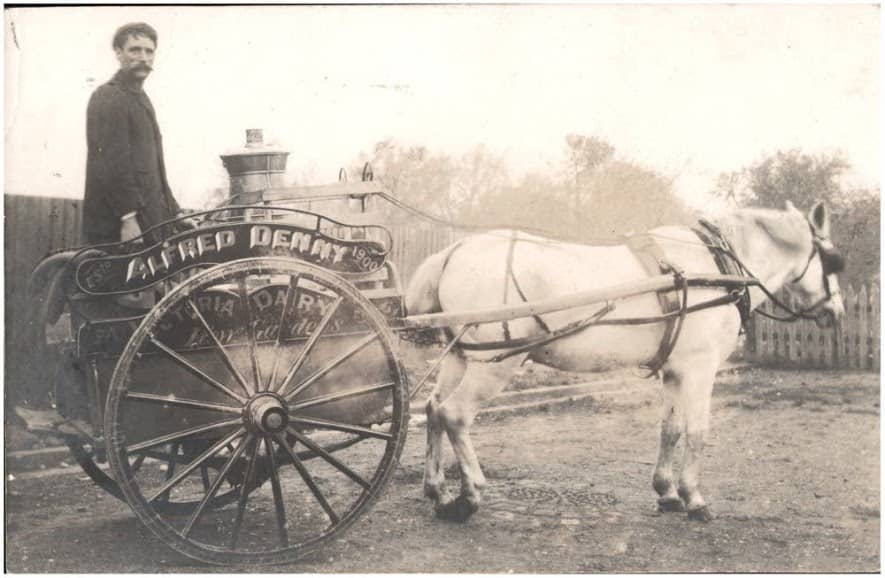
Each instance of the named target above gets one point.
<point>702,514</point>
<point>458,510</point>
<point>670,505</point>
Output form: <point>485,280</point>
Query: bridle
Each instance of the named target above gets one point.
<point>831,262</point>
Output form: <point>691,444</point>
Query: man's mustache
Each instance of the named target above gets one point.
<point>142,67</point>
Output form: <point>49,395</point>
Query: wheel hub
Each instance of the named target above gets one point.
<point>266,413</point>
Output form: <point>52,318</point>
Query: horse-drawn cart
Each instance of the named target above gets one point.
<point>242,378</point>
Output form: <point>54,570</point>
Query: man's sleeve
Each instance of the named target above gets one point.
<point>174,206</point>
<point>107,127</point>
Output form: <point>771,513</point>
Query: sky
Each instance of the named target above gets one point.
<point>690,91</point>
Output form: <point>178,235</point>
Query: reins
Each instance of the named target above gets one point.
<point>793,314</point>
<point>674,313</point>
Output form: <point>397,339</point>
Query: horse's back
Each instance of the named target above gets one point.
<point>506,267</point>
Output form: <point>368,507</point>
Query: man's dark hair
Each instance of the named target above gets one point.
<point>133,29</point>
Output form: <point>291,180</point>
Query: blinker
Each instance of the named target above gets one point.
<point>831,261</point>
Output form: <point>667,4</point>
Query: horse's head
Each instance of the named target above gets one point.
<point>814,282</point>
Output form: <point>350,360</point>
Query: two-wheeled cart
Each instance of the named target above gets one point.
<point>242,379</point>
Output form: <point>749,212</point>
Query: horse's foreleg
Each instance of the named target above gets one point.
<point>696,390</point>
<point>671,429</point>
<point>450,375</point>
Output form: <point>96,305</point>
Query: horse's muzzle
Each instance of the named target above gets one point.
<point>828,318</point>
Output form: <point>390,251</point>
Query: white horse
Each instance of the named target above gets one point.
<point>782,249</point>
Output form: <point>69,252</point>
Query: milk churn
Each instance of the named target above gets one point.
<point>254,168</point>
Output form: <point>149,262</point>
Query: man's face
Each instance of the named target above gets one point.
<point>137,56</point>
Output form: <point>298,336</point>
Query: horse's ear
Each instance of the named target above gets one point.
<point>819,217</point>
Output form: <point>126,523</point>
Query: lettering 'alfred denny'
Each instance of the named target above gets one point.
<point>192,249</point>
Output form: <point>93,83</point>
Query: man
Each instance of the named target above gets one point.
<point>126,194</point>
<point>126,187</point>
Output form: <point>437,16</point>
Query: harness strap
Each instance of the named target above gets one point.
<point>511,276</point>
<point>652,257</point>
<point>521,344</point>
<point>723,255</point>
<point>511,246</point>
<point>527,343</point>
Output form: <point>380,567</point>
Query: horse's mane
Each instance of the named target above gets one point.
<point>788,227</point>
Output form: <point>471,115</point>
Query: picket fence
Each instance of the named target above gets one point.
<point>855,344</point>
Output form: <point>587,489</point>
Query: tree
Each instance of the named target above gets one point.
<point>536,204</point>
<point>479,173</point>
<point>596,195</point>
<point>630,198</point>
<point>415,176</point>
<point>733,188</point>
<point>584,156</point>
<point>797,177</point>
<point>609,196</point>
<point>805,179</point>
<point>855,230</point>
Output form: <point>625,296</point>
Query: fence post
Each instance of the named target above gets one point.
<point>843,331</point>
<point>862,329</point>
<point>874,324</point>
<point>793,331</point>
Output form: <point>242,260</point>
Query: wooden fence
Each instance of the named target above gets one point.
<point>854,345</point>
<point>34,226</point>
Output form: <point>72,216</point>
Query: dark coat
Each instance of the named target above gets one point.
<point>125,171</point>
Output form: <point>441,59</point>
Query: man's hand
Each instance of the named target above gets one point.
<point>185,223</point>
<point>129,228</point>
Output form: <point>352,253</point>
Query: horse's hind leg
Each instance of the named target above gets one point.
<point>672,423</point>
<point>482,383</point>
<point>450,374</point>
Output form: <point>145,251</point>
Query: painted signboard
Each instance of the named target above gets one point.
<point>221,243</point>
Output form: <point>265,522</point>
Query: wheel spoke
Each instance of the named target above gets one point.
<point>136,465</point>
<point>330,458</point>
<point>228,362</point>
<point>319,400</point>
<point>332,365</point>
<point>216,485</point>
<point>279,507</point>
<point>180,435</point>
<point>308,346</point>
<point>244,495</point>
<point>170,468</point>
<point>250,324</point>
<point>345,427</point>
<point>183,402</point>
<point>195,370</point>
<point>308,479</point>
<point>204,476</point>
<point>175,480</point>
<point>277,353</point>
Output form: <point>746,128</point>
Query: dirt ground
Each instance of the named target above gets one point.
<point>791,472</point>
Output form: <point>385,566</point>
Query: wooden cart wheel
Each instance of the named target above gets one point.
<point>284,378</point>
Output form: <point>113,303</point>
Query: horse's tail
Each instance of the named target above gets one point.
<point>422,293</point>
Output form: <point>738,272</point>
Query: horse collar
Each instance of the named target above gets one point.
<point>727,262</point>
